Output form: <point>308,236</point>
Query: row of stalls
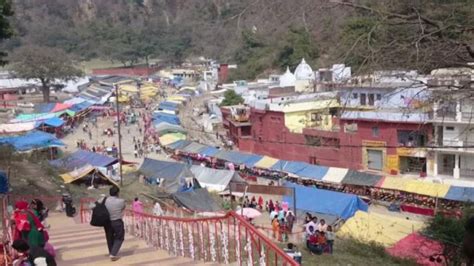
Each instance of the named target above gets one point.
<point>332,176</point>
<point>49,122</point>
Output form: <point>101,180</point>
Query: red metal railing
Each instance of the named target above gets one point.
<point>7,235</point>
<point>222,239</point>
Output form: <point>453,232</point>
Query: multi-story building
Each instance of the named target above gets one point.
<point>452,153</point>
<point>377,128</point>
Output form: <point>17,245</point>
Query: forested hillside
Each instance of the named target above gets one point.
<point>258,35</point>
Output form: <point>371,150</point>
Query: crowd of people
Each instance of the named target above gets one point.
<point>319,236</point>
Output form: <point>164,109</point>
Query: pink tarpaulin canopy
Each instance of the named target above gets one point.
<point>418,248</point>
<point>60,107</point>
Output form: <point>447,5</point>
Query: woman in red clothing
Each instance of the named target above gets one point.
<point>27,226</point>
<point>260,202</point>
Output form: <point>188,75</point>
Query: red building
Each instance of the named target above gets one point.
<point>368,140</point>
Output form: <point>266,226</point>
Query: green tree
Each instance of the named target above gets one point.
<point>45,65</point>
<point>232,98</point>
<point>298,44</point>
<point>422,35</point>
<point>456,235</point>
<point>5,28</point>
<point>254,56</point>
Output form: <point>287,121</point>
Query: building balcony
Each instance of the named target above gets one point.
<point>467,116</point>
<point>445,115</point>
<point>455,145</point>
<point>466,172</point>
<point>239,123</point>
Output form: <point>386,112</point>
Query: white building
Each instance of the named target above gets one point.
<point>454,138</point>
<point>305,77</point>
<point>288,79</point>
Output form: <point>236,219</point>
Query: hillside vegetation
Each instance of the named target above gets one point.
<point>259,35</point>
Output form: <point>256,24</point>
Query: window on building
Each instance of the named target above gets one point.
<point>408,138</point>
<point>375,132</point>
<point>450,128</point>
<point>312,140</point>
<point>371,99</point>
<point>330,142</point>
<point>315,117</point>
<point>246,131</point>
<point>350,128</point>
<point>355,95</point>
<point>363,99</point>
<point>313,160</point>
<point>379,96</point>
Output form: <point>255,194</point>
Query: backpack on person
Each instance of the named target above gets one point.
<point>100,214</point>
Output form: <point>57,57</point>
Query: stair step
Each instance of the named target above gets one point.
<point>82,244</point>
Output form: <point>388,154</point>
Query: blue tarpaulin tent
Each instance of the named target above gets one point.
<point>44,107</point>
<point>460,193</point>
<point>325,201</point>
<point>209,151</point>
<point>180,144</point>
<point>358,178</point>
<point>32,140</point>
<point>316,172</point>
<point>252,159</point>
<point>81,158</point>
<point>168,106</point>
<point>81,106</point>
<point>289,166</point>
<point>238,157</point>
<point>163,117</point>
<point>51,122</point>
<point>172,174</point>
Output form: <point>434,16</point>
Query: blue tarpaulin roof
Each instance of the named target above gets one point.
<point>252,160</point>
<point>180,144</point>
<point>168,106</point>
<point>81,158</point>
<point>312,199</point>
<point>316,172</point>
<point>289,166</point>
<point>52,122</point>
<point>44,107</point>
<point>358,178</point>
<point>32,140</point>
<point>460,193</point>
<point>174,174</point>
<point>238,157</point>
<point>80,106</point>
<point>163,117</point>
<point>209,151</point>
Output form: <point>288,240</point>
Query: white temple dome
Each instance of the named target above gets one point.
<point>287,79</point>
<point>304,72</point>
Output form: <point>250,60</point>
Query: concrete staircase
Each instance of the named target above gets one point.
<point>82,244</point>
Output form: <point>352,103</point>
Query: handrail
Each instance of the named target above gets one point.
<point>223,238</point>
<point>6,230</point>
<point>263,237</point>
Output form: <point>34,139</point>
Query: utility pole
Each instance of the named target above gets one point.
<point>119,134</point>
